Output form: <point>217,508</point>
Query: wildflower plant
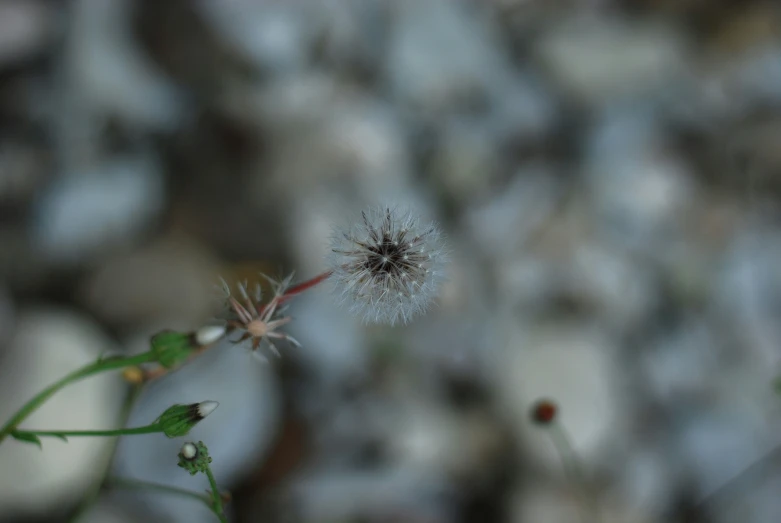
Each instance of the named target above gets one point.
<point>387,268</point>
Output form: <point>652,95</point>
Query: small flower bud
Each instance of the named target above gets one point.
<point>179,419</point>
<point>194,457</point>
<point>544,412</point>
<point>209,334</point>
<point>207,407</point>
<point>189,450</point>
<point>172,348</point>
<point>133,375</point>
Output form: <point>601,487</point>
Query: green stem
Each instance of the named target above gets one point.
<point>79,374</point>
<point>147,485</point>
<point>92,496</point>
<point>567,453</point>
<point>216,497</point>
<point>571,463</point>
<point>147,429</point>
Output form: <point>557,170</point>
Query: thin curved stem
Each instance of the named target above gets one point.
<point>147,429</point>
<point>92,496</point>
<point>77,375</point>
<point>566,451</point>
<point>134,484</point>
<point>216,497</point>
<point>303,286</point>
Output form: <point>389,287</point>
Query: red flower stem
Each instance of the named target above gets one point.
<point>303,286</point>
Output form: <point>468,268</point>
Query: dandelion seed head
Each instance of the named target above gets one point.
<point>388,267</point>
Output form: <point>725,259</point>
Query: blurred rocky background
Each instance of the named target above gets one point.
<point>606,173</point>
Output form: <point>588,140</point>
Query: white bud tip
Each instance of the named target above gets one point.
<point>209,334</point>
<point>189,451</point>
<point>207,407</point>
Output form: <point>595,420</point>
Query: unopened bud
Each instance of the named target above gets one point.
<point>179,419</point>
<point>189,450</point>
<point>194,457</point>
<point>544,412</point>
<point>209,334</point>
<point>133,375</point>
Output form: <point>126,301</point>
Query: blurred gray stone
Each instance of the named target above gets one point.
<point>681,366</point>
<point>502,225</point>
<point>465,160</point>
<point>574,366</point>
<point>753,499</point>
<point>410,494</point>
<point>88,213</point>
<point>26,27</point>
<point>565,504</point>
<point>108,74</point>
<point>106,511</point>
<point>171,280</point>
<point>559,258</point>
<point>598,59</point>
<point>646,476</point>
<point>620,290</point>
<point>103,74</point>
<point>752,157</point>
<point>750,80</point>
<point>23,168</point>
<point>641,190</point>
<point>332,143</point>
<point>333,340</point>
<point>433,438</point>
<point>8,319</point>
<point>717,445</point>
<point>49,343</point>
<point>353,37</point>
<point>524,110</point>
<point>274,35</point>
<point>546,503</point>
<point>747,293</point>
<point>455,64</point>
<point>286,105</point>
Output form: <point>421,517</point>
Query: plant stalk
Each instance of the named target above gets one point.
<point>135,484</point>
<point>92,496</point>
<point>216,497</point>
<point>147,429</point>
<point>77,375</point>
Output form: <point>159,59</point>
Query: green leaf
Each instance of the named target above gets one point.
<point>26,437</point>
<point>171,348</point>
<point>63,438</point>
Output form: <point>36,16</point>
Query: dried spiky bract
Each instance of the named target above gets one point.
<point>389,267</point>
<point>256,322</point>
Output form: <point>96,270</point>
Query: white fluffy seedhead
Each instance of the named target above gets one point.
<point>388,267</point>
